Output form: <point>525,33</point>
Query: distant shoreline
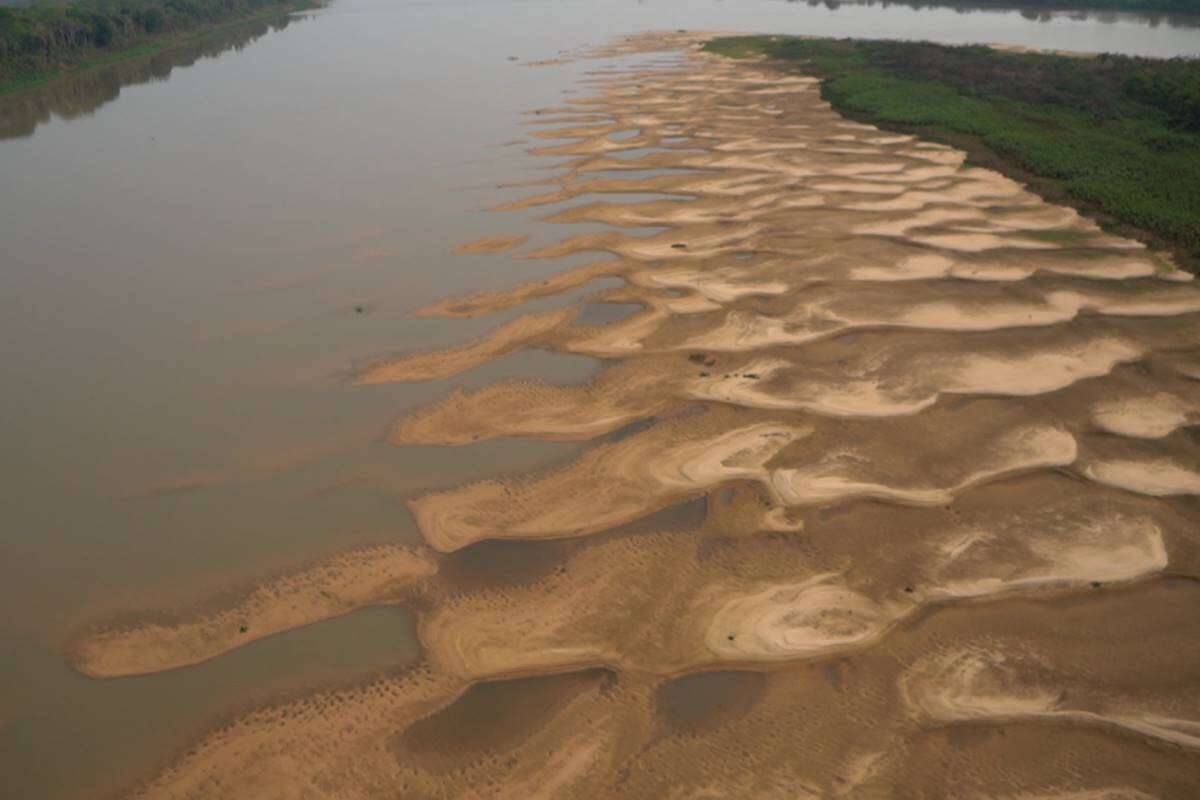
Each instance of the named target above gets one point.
<point>28,68</point>
<point>1116,137</point>
<point>1185,8</point>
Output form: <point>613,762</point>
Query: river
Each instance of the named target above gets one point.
<point>199,249</point>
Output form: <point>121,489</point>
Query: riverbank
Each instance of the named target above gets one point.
<point>39,43</point>
<point>1116,137</point>
<point>1043,7</point>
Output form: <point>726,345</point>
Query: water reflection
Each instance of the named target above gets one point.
<point>1037,13</point>
<point>81,94</point>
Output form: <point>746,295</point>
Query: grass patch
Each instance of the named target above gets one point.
<point>1115,136</point>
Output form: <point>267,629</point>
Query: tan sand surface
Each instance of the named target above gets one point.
<point>1151,415</point>
<point>431,366</point>
<point>492,244</point>
<point>1158,477</point>
<point>329,589</point>
<point>610,485</point>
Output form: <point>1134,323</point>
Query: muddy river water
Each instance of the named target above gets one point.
<point>449,399</point>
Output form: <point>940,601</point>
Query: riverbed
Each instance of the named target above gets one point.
<point>204,252</point>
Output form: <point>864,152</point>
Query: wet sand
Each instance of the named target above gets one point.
<point>377,576</point>
<point>942,434</point>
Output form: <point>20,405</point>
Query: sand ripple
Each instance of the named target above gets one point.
<point>971,684</point>
<point>794,620</point>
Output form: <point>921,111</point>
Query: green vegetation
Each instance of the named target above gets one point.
<point>44,39</point>
<point>1035,8</point>
<point>1116,136</point>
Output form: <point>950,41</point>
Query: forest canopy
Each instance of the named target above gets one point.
<point>45,37</point>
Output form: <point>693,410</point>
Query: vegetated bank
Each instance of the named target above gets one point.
<point>1116,136</point>
<point>40,41</point>
<point>81,92</point>
<point>1038,8</point>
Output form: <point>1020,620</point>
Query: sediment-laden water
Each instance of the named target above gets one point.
<point>886,487</point>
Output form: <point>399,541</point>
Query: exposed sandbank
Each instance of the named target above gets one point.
<point>331,588</point>
<point>927,415</point>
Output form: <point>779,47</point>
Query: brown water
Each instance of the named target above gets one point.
<point>197,253</point>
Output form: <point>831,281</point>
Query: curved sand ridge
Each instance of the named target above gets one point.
<point>332,588</point>
<point>620,395</point>
<point>901,375</point>
<point>1149,417</point>
<point>429,366</point>
<point>969,684</point>
<point>421,729</point>
<point>817,314</point>
<point>849,473</point>
<point>492,244</point>
<point>611,484</point>
<point>747,600</point>
<point>929,459</point>
<point>899,384</point>
<point>1150,400</point>
<point>790,621</point>
<point>1158,477</point>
